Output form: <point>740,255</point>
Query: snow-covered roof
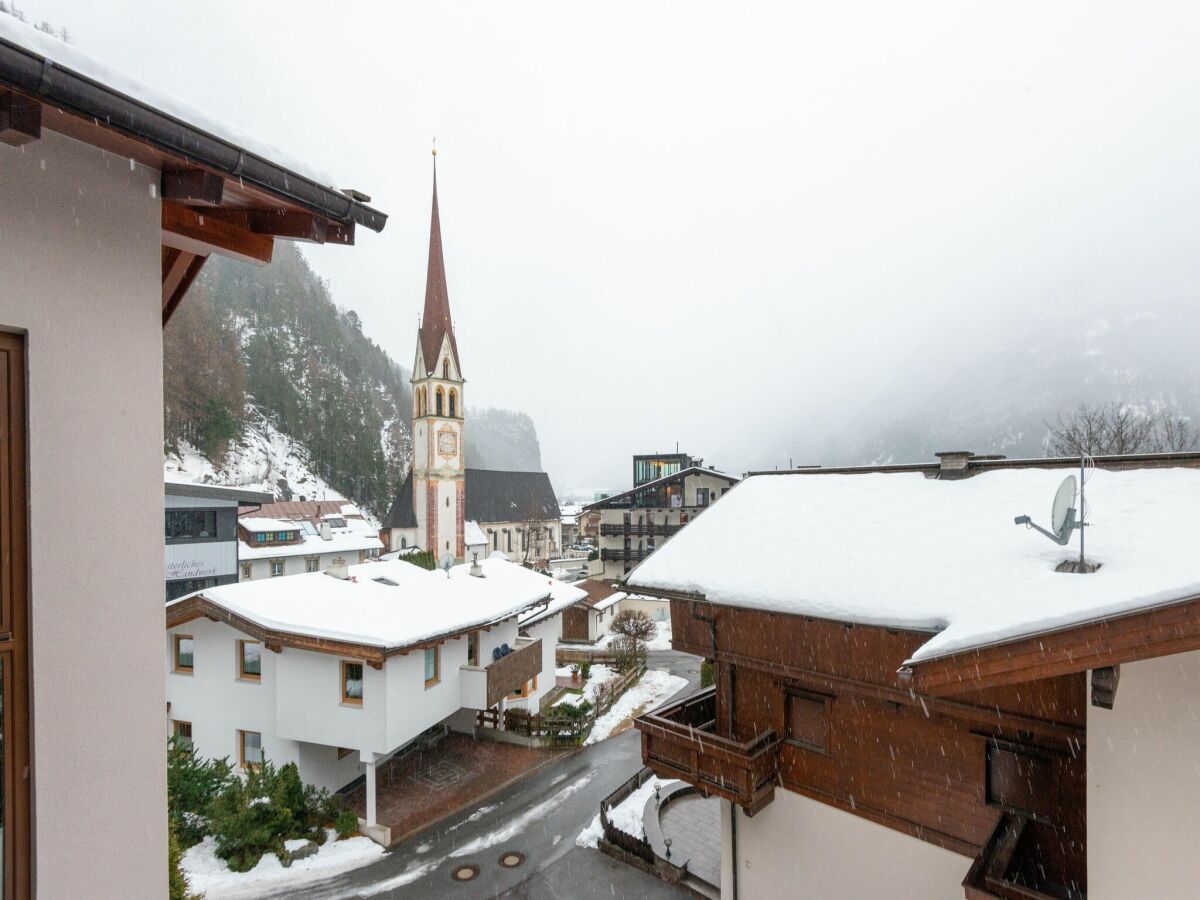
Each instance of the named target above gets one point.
<point>611,600</point>
<point>72,58</point>
<point>473,535</point>
<point>904,551</point>
<point>562,595</point>
<point>421,604</point>
<point>252,523</point>
<point>344,540</point>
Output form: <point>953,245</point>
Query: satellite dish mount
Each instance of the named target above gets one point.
<point>1066,516</point>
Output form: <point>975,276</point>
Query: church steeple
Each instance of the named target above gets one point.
<point>435,322</point>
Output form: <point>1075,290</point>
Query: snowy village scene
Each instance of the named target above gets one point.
<point>563,452</point>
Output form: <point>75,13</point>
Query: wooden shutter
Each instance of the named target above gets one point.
<point>1019,781</point>
<point>806,720</point>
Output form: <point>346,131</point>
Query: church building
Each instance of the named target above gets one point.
<point>516,512</point>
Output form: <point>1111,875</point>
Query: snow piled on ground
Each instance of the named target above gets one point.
<point>208,874</point>
<point>654,686</point>
<point>600,674</point>
<point>660,641</point>
<point>256,460</point>
<point>625,816</point>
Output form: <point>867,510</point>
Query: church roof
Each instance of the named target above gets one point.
<point>402,514</point>
<point>509,496</point>
<point>435,321</point>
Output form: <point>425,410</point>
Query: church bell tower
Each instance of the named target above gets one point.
<point>439,466</point>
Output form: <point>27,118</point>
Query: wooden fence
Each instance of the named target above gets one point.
<point>559,729</point>
<point>566,656</point>
<point>639,847</point>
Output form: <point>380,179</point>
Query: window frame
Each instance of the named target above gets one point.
<point>175,723</point>
<point>242,674</point>
<point>793,691</point>
<point>271,567</point>
<point>247,571</point>
<point>176,668</point>
<point>312,564</point>
<point>437,665</point>
<point>347,700</point>
<point>525,690</point>
<point>241,736</point>
<point>476,638</point>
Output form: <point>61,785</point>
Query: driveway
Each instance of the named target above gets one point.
<point>537,819</point>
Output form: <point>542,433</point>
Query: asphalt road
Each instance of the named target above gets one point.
<point>539,817</point>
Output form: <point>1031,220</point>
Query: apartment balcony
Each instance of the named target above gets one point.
<point>678,741</point>
<point>620,554</point>
<point>482,687</point>
<point>634,529</point>
<point>1008,868</point>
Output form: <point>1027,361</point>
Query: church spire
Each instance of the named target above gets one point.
<point>436,322</point>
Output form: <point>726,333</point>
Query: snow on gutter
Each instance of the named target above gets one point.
<point>160,121</point>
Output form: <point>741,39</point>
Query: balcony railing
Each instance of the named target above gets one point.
<point>508,673</point>
<point>619,554</point>
<point>635,529</point>
<point>1003,869</point>
<point>678,742</point>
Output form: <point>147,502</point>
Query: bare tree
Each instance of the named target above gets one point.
<point>1115,429</point>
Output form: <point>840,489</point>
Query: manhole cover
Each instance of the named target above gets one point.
<point>693,671</point>
<point>512,859</point>
<point>465,873</point>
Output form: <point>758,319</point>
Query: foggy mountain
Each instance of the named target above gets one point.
<point>999,398</point>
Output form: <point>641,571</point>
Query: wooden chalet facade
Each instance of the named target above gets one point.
<point>982,755</point>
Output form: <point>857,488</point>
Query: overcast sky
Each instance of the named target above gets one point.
<point>684,222</point>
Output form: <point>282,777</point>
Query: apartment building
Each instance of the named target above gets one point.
<point>201,534</point>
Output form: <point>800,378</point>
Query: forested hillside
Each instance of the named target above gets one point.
<point>260,358</point>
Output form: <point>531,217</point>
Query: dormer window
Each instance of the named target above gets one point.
<point>261,537</point>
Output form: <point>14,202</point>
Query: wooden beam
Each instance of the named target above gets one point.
<point>195,232</point>
<point>198,187</point>
<point>375,664</point>
<point>1104,686</point>
<point>179,270</point>
<point>20,119</point>
<point>288,224</point>
<point>1147,634</point>
<point>339,233</point>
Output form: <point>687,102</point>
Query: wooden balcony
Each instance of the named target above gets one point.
<point>678,741</point>
<point>634,529</point>
<point>1007,868</point>
<point>508,673</point>
<point>620,554</point>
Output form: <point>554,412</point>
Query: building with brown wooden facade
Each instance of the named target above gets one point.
<point>918,703</point>
<point>112,196</point>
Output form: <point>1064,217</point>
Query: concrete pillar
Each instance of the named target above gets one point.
<point>371,793</point>
<point>500,721</point>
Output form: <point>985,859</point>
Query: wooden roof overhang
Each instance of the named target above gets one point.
<point>198,606</point>
<point>1098,644</point>
<point>216,197</point>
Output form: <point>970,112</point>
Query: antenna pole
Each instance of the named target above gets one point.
<point>1082,523</point>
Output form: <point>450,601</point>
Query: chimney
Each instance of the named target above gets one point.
<point>953,463</point>
<point>476,568</point>
<point>326,532</point>
<point>338,569</point>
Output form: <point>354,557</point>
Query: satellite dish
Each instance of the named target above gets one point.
<point>1064,503</point>
<point>447,564</point>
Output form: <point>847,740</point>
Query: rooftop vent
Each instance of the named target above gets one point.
<point>338,569</point>
<point>326,532</point>
<point>476,568</point>
<point>953,463</point>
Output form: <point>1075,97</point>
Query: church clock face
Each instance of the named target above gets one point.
<point>447,443</point>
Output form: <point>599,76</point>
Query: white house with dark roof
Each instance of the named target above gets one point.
<point>338,673</point>
<point>113,194</point>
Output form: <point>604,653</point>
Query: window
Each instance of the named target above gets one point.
<point>312,564</point>
<point>453,403</point>
<point>276,567</point>
<point>183,653</point>
<point>472,648</point>
<point>702,496</point>
<point>249,660</point>
<point>806,720</point>
<point>1020,780</point>
<point>524,690</point>
<point>191,524</point>
<point>508,540</point>
<point>438,398</point>
<point>432,663</point>
<point>182,732</point>
<point>403,543</point>
<point>250,752</point>
<point>246,576</point>
<point>261,537</point>
<point>176,589</point>
<point>352,683</point>
<point>446,368</point>
<point>282,536</point>
<point>495,539</point>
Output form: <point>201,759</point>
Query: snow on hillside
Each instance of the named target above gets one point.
<point>263,459</point>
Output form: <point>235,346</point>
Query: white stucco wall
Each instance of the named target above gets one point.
<point>799,849</point>
<point>296,564</point>
<point>1143,766</point>
<point>80,273</point>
